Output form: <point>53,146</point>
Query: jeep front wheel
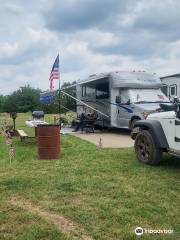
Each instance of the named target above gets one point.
<point>146,149</point>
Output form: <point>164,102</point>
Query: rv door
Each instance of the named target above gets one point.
<point>124,110</point>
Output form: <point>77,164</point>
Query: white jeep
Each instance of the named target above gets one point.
<point>159,133</point>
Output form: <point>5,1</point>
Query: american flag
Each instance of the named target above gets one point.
<point>55,74</point>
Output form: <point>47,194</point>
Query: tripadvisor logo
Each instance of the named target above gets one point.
<point>139,231</point>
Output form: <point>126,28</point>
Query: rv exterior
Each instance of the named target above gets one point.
<point>171,86</point>
<point>123,97</point>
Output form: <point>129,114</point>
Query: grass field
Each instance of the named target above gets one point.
<point>105,193</point>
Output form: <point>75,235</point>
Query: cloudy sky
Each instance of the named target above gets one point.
<point>91,37</point>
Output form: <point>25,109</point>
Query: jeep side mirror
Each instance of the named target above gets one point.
<point>118,99</point>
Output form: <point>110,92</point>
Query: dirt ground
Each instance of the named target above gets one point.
<point>117,138</point>
<point>65,225</point>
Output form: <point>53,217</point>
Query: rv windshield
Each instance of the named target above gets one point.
<point>147,96</point>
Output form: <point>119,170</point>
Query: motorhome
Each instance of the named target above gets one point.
<point>122,97</point>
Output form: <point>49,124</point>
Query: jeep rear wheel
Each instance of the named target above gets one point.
<point>146,149</point>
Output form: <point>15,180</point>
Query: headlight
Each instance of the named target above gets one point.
<point>145,114</point>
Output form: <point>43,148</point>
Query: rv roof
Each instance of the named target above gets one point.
<point>121,75</point>
<point>140,78</point>
<point>135,80</point>
<point>93,77</point>
<point>174,75</point>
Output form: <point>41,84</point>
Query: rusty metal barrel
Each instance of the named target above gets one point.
<point>48,140</point>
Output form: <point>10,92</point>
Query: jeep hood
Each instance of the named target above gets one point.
<point>162,115</point>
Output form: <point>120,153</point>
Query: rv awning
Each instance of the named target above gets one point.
<point>91,78</point>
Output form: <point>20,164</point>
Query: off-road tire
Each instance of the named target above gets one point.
<point>146,148</point>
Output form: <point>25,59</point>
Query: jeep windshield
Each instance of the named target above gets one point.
<point>141,96</point>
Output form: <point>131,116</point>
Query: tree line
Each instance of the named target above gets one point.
<point>27,99</point>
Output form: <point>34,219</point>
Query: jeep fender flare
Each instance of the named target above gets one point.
<point>157,131</point>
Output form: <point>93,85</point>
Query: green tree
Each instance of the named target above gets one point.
<point>23,100</point>
<point>2,100</point>
<point>27,99</point>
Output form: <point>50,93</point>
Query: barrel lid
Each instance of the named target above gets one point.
<point>48,125</point>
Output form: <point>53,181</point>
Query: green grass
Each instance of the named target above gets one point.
<point>108,193</point>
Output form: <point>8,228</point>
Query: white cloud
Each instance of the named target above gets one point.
<point>8,49</point>
<point>14,8</point>
<point>125,35</point>
<point>41,35</point>
<point>98,38</point>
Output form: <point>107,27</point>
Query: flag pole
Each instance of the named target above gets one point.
<point>59,101</point>
<point>59,105</point>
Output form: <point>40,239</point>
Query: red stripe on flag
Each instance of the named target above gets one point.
<point>55,74</point>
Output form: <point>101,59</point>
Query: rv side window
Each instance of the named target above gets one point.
<point>90,91</point>
<point>165,89</point>
<point>102,90</point>
<point>173,90</point>
<point>83,91</point>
